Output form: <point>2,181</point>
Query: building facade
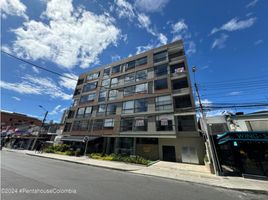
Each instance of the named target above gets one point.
<point>141,105</point>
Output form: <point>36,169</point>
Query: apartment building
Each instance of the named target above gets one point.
<point>141,105</point>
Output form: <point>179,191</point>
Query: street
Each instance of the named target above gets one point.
<point>20,172</point>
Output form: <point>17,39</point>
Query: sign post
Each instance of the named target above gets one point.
<point>86,139</point>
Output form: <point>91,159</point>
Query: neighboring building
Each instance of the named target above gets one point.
<point>140,105</point>
<point>13,120</point>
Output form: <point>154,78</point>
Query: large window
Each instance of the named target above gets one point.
<point>108,123</point>
<point>114,82</point>
<point>90,86</point>
<point>160,84</point>
<point>141,75</point>
<point>80,113</point>
<point>129,78</point>
<point>101,109</point>
<point>106,83</point>
<point>116,69</point>
<point>141,88</point>
<point>183,101</point>
<point>106,72</point>
<point>80,81</point>
<point>80,125</point>
<point>141,105</point>
<point>111,109</point>
<point>128,91</point>
<point>175,55</point>
<point>141,61</point>
<point>128,107</point>
<point>161,70</point>
<point>161,56</point>
<point>130,65</point>
<point>93,76</point>
<point>186,123</point>
<point>134,124</point>
<point>87,98</point>
<point>113,94</point>
<point>67,127</point>
<point>164,123</point>
<point>98,124</point>
<point>177,68</point>
<point>163,103</point>
<point>102,96</point>
<point>88,111</point>
<point>179,83</point>
<point>126,124</point>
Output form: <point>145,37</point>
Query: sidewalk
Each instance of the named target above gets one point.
<point>176,171</point>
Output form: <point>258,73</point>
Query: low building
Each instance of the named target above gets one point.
<point>141,105</point>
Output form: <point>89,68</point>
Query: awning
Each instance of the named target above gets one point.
<point>77,138</point>
<point>246,136</point>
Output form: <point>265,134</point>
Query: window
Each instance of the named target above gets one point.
<point>113,94</point>
<point>141,88</point>
<point>129,78</point>
<point>141,61</point>
<point>177,68</point>
<point>67,127</point>
<point>106,73</point>
<point>141,124</point>
<point>141,105</point>
<point>87,98</point>
<point>163,103</point>
<point>114,81</point>
<point>175,55</point>
<point>128,107</point>
<point>141,75</point>
<point>80,81</point>
<point>88,111</point>
<point>128,91</point>
<point>126,124</point>
<point>80,113</point>
<point>106,83</point>
<point>130,65</point>
<point>102,96</point>
<point>161,70</point>
<point>161,56</point>
<point>80,125</point>
<point>75,102</point>
<point>108,123</point>
<point>111,109</point>
<point>93,76</point>
<point>70,114</point>
<point>90,86</point>
<point>116,69</point>
<point>160,84</point>
<point>77,92</point>
<point>183,101</point>
<point>164,123</point>
<point>97,124</point>
<point>101,109</point>
<point>186,123</point>
<point>179,84</point>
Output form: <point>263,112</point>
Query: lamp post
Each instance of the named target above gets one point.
<point>43,122</point>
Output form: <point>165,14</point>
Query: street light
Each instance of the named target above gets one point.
<point>35,140</point>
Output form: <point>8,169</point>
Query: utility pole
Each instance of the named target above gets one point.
<point>43,122</point>
<point>212,151</point>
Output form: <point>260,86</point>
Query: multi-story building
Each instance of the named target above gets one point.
<point>141,105</point>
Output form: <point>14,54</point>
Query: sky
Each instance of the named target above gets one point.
<point>226,40</point>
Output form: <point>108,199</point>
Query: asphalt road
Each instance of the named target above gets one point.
<point>25,177</point>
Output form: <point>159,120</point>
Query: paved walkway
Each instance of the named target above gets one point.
<point>176,171</point>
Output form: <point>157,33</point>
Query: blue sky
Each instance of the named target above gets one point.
<point>226,40</point>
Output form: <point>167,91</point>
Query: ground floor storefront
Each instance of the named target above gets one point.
<point>185,149</point>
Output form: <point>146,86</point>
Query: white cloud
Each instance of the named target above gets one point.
<point>151,5</point>
<point>179,26</point>
<point>191,48</point>
<point>141,49</point>
<point>36,70</point>
<point>235,93</point>
<point>206,102</point>
<point>235,24</point>
<point>16,98</point>
<point>220,42</point>
<point>68,83</point>
<point>36,85</point>
<point>124,9</point>
<point>252,3</point>
<point>6,48</point>
<point>258,42</point>
<point>72,36</point>
<point>162,39</point>
<point>13,7</point>
<point>55,111</point>
<point>115,58</point>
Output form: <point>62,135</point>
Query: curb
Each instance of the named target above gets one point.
<point>77,162</point>
<point>265,192</point>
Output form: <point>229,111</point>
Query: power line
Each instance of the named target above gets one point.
<point>48,70</point>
